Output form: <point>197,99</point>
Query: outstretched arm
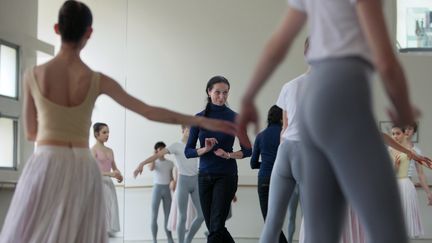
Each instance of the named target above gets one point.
<point>423,182</point>
<point>273,54</point>
<point>151,159</point>
<point>111,88</point>
<point>411,154</point>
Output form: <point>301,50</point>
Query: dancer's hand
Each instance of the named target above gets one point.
<point>118,176</point>
<point>248,114</point>
<point>222,153</point>
<point>397,161</point>
<point>173,185</point>
<point>210,143</point>
<point>218,125</point>
<point>138,170</point>
<point>423,160</point>
<point>429,198</point>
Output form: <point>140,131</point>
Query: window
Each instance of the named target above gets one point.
<point>414,25</point>
<point>8,70</point>
<point>9,104</point>
<point>8,142</point>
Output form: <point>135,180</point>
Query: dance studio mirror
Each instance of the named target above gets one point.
<point>163,52</point>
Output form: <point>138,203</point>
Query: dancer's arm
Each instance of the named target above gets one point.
<point>273,54</point>
<point>254,162</point>
<point>117,173</point>
<point>397,161</point>
<point>29,111</point>
<point>154,157</point>
<point>152,166</point>
<point>114,90</point>
<point>173,183</point>
<point>371,18</point>
<point>423,160</point>
<point>191,151</point>
<point>284,124</point>
<point>423,182</point>
<point>244,152</point>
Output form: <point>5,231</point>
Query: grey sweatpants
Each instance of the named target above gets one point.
<point>345,159</point>
<point>286,174</point>
<point>188,185</point>
<point>161,192</point>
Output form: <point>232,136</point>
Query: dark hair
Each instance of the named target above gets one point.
<point>397,126</point>
<point>159,144</point>
<point>98,126</point>
<point>274,115</point>
<point>74,18</point>
<point>414,125</point>
<point>214,80</point>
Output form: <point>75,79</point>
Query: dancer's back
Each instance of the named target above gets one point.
<point>63,91</point>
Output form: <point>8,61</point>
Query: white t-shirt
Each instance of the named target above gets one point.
<point>334,29</point>
<point>287,101</point>
<point>163,172</point>
<point>185,166</point>
<point>412,171</point>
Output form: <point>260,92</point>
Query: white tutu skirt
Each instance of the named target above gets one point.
<point>58,198</point>
<point>112,209</point>
<point>410,208</point>
<point>352,230</point>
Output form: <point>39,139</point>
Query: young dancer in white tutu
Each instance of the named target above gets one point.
<point>105,158</point>
<point>416,168</point>
<point>59,195</point>
<point>407,190</point>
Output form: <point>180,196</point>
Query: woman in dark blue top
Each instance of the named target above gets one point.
<point>218,166</point>
<point>266,144</point>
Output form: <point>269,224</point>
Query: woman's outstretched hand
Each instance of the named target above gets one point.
<point>210,143</point>
<point>222,153</point>
<point>423,160</point>
<point>138,171</point>
<point>248,114</point>
<point>218,125</point>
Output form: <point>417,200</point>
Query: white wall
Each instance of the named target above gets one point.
<point>175,47</point>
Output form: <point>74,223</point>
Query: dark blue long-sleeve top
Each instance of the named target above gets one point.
<point>209,162</point>
<point>266,144</point>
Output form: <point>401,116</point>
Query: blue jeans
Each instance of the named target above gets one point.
<point>216,193</point>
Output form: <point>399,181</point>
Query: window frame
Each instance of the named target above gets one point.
<point>17,86</point>
<point>402,6</point>
<point>15,121</point>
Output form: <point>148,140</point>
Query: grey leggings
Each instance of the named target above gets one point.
<point>286,174</point>
<point>188,185</point>
<point>161,192</point>
<point>292,213</point>
<point>345,159</point>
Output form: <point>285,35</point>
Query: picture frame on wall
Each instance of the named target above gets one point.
<point>386,126</point>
